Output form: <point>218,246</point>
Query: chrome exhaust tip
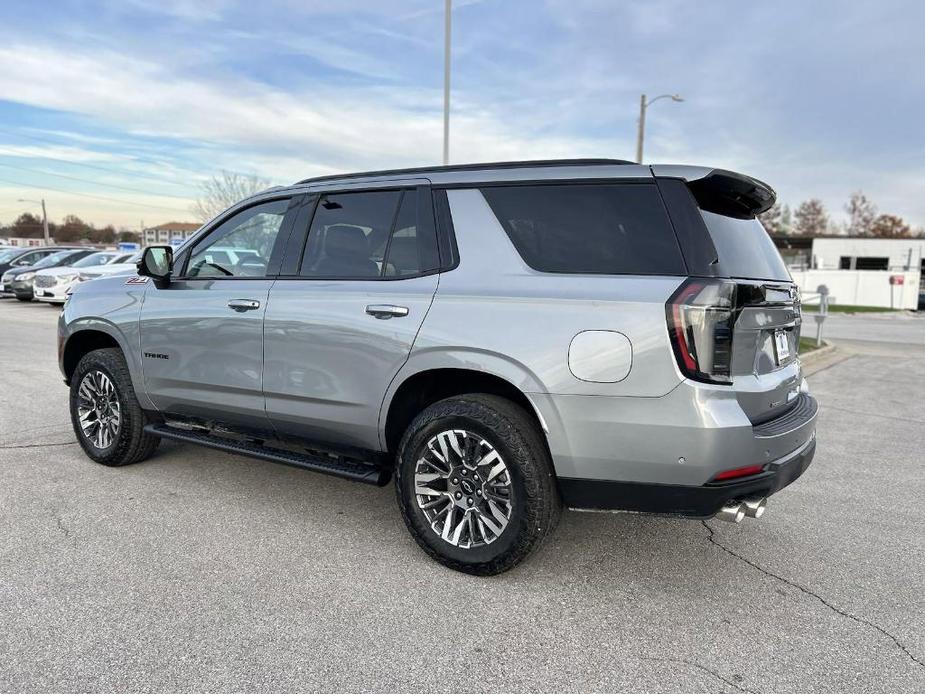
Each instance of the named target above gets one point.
<point>732,513</point>
<point>755,508</point>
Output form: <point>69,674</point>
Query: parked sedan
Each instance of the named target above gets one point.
<point>23,257</point>
<point>19,280</point>
<point>126,267</point>
<point>51,285</point>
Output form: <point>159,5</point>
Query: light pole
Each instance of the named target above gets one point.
<point>44,217</point>
<point>643,105</point>
<point>447,24</point>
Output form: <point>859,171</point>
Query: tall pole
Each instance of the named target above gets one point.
<point>448,11</point>
<point>45,223</point>
<point>641,132</point>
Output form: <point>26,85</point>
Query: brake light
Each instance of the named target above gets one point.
<point>738,472</point>
<point>701,315</point>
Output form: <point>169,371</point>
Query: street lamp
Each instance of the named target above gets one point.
<point>44,217</point>
<point>447,22</point>
<point>643,105</point>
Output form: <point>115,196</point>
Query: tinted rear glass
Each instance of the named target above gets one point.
<point>744,248</point>
<point>610,229</point>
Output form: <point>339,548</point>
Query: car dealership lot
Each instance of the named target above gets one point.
<point>202,571</point>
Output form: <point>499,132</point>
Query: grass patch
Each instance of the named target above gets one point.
<point>807,344</point>
<point>848,308</point>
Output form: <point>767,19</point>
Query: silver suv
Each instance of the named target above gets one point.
<point>505,338</point>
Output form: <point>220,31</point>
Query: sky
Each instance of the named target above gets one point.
<point>117,110</point>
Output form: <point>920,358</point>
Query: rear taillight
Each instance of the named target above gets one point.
<point>701,314</point>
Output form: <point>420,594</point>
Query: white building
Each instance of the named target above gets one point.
<point>858,271</point>
<point>169,234</point>
<point>849,253</point>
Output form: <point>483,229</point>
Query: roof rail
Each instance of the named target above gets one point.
<point>471,167</point>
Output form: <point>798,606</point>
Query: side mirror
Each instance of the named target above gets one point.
<point>156,262</point>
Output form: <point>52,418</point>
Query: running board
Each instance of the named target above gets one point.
<point>339,467</point>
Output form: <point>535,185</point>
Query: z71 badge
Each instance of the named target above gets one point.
<point>137,280</point>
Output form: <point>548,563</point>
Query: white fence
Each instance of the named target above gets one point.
<point>862,287</point>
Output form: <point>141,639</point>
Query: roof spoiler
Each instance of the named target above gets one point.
<point>732,194</point>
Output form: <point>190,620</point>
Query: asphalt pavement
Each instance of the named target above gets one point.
<point>200,571</point>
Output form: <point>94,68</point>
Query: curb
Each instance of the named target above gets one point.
<point>817,354</point>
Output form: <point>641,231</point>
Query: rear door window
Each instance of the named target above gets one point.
<point>610,229</point>
<point>369,234</point>
<point>744,248</point>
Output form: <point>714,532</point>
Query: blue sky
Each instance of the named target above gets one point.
<point>117,109</point>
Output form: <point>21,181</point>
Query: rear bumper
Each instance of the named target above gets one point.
<point>693,501</point>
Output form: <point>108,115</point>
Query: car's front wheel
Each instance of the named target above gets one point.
<point>105,413</point>
<point>475,483</point>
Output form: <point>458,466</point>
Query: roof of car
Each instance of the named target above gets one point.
<point>466,168</point>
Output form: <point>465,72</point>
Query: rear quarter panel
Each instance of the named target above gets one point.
<point>493,313</point>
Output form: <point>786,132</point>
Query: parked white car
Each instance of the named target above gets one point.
<point>128,266</point>
<point>51,285</point>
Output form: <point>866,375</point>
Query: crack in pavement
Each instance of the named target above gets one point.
<point>9,447</point>
<point>62,526</point>
<point>703,668</point>
<point>807,591</point>
<point>908,420</point>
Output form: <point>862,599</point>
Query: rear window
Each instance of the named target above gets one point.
<point>744,248</point>
<point>608,229</point>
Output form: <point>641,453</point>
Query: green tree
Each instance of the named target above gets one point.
<point>27,226</point>
<point>73,228</point>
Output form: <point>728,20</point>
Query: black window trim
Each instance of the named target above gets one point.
<point>282,236</point>
<point>299,243</point>
<point>635,180</point>
<point>446,232</point>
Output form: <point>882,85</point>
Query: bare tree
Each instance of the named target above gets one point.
<point>773,220</point>
<point>810,219</point>
<point>221,192</point>
<point>861,214</point>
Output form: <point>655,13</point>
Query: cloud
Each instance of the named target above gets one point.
<point>324,127</point>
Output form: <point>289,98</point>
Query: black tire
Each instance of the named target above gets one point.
<point>22,297</point>
<point>535,506</point>
<point>130,444</point>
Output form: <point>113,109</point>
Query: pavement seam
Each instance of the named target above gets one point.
<point>703,668</point>
<point>909,420</point>
<point>5,447</point>
<point>807,591</point>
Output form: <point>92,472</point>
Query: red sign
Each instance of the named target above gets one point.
<point>897,279</point>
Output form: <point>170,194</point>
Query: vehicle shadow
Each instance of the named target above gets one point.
<point>361,520</point>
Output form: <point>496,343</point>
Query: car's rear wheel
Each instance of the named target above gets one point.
<point>475,483</point>
<point>107,419</point>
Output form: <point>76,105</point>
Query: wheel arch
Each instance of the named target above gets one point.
<point>414,389</point>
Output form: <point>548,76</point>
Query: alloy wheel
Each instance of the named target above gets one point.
<point>98,409</point>
<point>463,487</point>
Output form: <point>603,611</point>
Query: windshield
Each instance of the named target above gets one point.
<point>94,260</point>
<point>53,259</point>
<point>9,254</point>
<point>745,250</point>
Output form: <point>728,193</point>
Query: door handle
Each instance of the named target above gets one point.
<point>242,305</point>
<point>384,311</point>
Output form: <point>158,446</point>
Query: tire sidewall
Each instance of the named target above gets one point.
<point>97,361</point>
<point>419,433</point>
